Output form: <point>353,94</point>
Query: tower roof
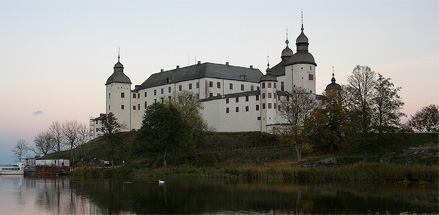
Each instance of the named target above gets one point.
<point>118,76</point>
<point>333,85</point>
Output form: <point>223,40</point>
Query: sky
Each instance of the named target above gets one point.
<point>56,56</point>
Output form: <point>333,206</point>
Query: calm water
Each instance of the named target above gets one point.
<point>27,195</point>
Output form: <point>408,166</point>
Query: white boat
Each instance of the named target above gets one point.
<point>12,169</point>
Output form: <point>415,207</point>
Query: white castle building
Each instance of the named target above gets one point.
<point>235,99</point>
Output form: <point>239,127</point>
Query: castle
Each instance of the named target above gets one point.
<point>235,99</point>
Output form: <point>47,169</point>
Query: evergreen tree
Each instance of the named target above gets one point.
<point>163,134</point>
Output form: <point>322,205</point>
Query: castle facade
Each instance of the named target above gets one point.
<point>235,98</point>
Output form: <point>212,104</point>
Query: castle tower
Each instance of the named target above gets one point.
<point>301,66</point>
<point>268,86</point>
<point>333,86</point>
<point>118,92</point>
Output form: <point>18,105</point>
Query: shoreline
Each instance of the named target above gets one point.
<point>356,173</point>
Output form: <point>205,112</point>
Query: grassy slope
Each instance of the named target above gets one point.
<point>239,149</point>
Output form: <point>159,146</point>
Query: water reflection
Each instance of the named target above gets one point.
<point>23,195</point>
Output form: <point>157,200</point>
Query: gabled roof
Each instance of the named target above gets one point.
<point>204,70</point>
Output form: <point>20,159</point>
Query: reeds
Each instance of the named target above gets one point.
<point>375,172</point>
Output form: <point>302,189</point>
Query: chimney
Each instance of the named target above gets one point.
<point>161,70</point>
<point>199,62</point>
<point>227,63</point>
<point>178,67</point>
<point>251,66</point>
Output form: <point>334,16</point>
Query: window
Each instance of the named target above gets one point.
<point>210,94</point>
<point>190,86</point>
<point>122,107</point>
<point>311,77</point>
<point>269,85</point>
<point>246,108</point>
<point>210,83</point>
<point>162,91</point>
<point>242,87</point>
<point>269,95</point>
<point>122,95</point>
<point>146,105</point>
<point>231,86</point>
<point>162,100</point>
<point>180,88</point>
<point>155,100</point>
<point>288,98</point>
<point>134,107</point>
<point>263,105</point>
<point>169,98</point>
<point>109,95</point>
<point>263,85</point>
<point>263,95</point>
<point>155,92</point>
<point>275,106</point>
<point>109,107</point>
<point>134,95</point>
<point>275,95</point>
<point>246,98</point>
<point>218,94</point>
<point>257,107</point>
<point>227,110</point>
<point>257,97</point>
<point>252,88</point>
<point>146,94</point>
<point>218,84</point>
<point>227,100</point>
<point>275,85</point>
<point>169,89</point>
<point>198,85</point>
<point>269,105</point>
<point>237,109</point>
<point>237,99</point>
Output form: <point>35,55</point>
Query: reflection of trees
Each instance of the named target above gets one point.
<point>57,196</point>
<point>198,196</point>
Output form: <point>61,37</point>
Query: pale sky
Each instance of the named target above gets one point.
<point>57,55</point>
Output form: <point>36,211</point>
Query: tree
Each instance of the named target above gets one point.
<point>44,143</point>
<point>164,133</point>
<point>55,131</point>
<point>360,92</point>
<point>188,104</point>
<point>20,148</point>
<point>331,123</point>
<point>387,106</point>
<point>70,131</point>
<point>296,111</point>
<point>426,119</point>
<point>83,136</point>
<point>110,126</point>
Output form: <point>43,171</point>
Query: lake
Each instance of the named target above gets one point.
<point>63,195</point>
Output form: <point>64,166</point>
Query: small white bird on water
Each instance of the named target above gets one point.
<point>161,182</point>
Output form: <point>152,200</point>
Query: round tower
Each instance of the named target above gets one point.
<point>268,84</point>
<point>118,92</point>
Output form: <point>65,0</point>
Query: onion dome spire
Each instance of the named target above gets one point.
<point>287,52</point>
<point>302,40</point>
<point>118,67</point>
<point>333,85</point>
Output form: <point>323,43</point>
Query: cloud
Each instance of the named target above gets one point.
<point>36,113</point>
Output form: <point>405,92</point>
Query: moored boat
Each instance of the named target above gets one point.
<point>12,169</point>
